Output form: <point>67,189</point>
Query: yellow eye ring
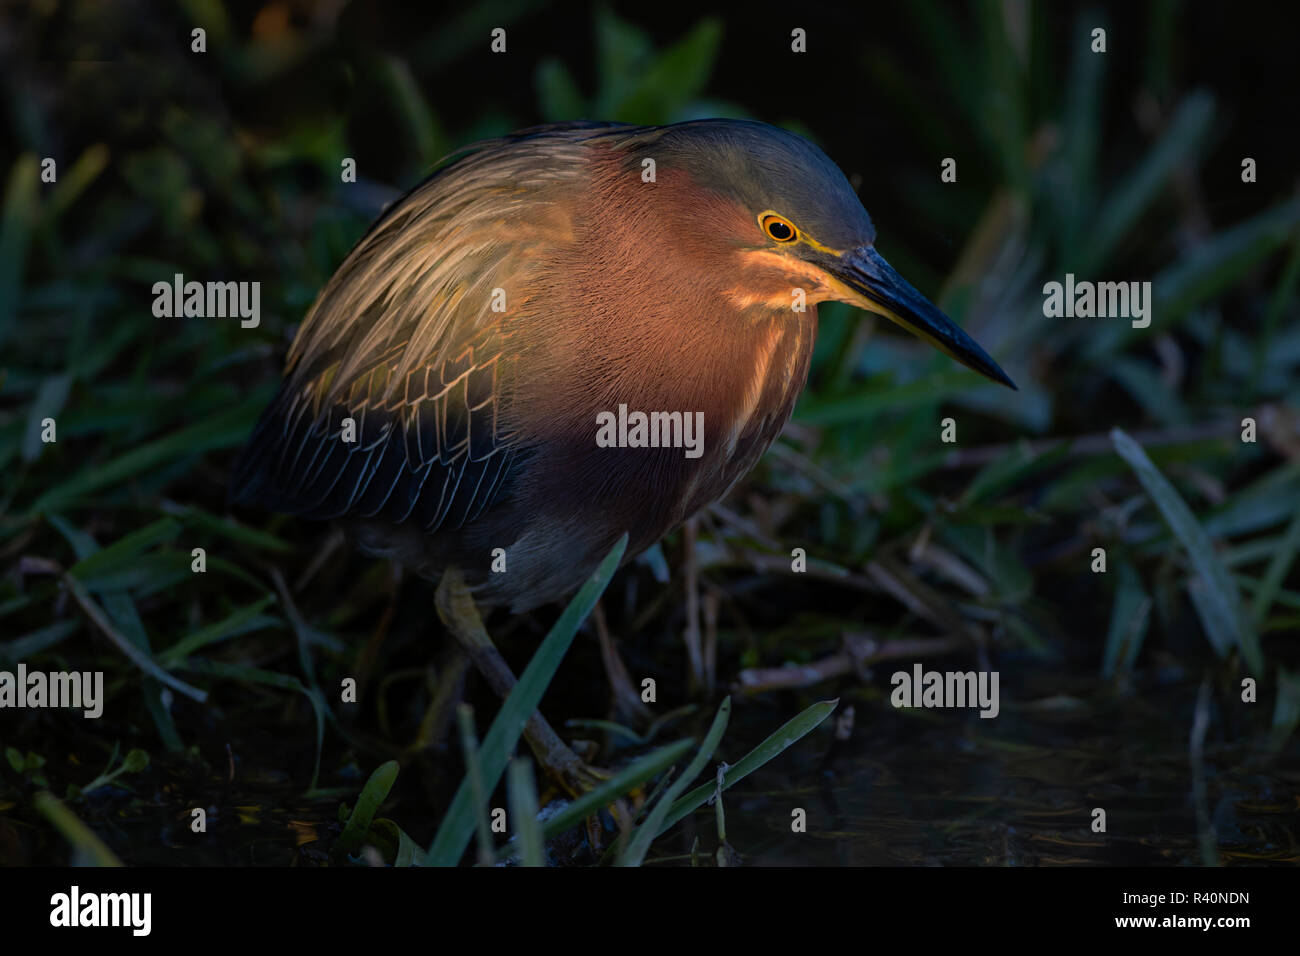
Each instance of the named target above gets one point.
<point>777,228</point>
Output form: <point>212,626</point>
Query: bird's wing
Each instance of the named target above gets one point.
<point>405,342</point>
<point>427,447</point>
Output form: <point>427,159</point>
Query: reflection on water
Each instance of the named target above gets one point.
<point>927,788</point>
<point>907,788</point>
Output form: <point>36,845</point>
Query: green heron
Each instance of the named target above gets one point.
<point>488,331</point>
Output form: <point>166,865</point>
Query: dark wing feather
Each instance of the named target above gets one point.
<point>403,341</point>
<point>430,455</point>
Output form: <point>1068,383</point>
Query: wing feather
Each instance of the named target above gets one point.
<point>403,340</point>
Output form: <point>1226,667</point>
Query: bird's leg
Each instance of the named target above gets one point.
<point>449,689</point>
<point>460,615</point>
<point>627,702</point>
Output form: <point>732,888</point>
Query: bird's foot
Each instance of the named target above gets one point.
<point>571,773</point>
<point>575,778</point>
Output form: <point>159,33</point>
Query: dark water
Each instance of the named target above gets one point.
<point>906,788</point>
<point>934,788</point>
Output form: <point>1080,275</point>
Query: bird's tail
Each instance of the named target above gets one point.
<point>250,478</point>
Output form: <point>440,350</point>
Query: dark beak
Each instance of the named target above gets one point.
<point>879,288</point>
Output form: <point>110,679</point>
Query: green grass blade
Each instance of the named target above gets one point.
<point>11,652</point>
<point>410,105</point>
<point>678,74</point>
<point>523,811</point>
<point>126,618</point>
<point>1222,261</point>
<point>474,774</point>
<point>619,785</point>
<point>48,403</point>
<point>1184,137</point>
<point>1082,129</point>
<point>1277,569</point>
<point>1214,593</point>
<point>125,549</point>
<point>124,613</point>
<point>1286,712</point>
<point>558,96</point>
<point>457,827</point>
<point>641,838</point>
<point>1128,622</point>
<point>224,429</point>
<point>882,395</point>
<point>19,218</point>
<point>790,733</point>
<point>242,621</point>
<point>138,656</point>
<point>372,797</point>
<point>255,675</point>
<point>1206,271</point>
<point>1284,292</point>
<point>227,528</point>
<point>74,182</point>
<point>82,838</point>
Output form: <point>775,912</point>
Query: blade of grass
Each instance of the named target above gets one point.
<point>790,733</point>
<point>1004,103</point>
<point>125,616</point>
<point>1019,462</point>
<point>125,549</point>
<point>411,106</point>
<point>883,395</point>
<point>1206,271</point>
<point>305,636</point>
<point>457,827</point>
<point>122,610</point>
<point>371,798</point>
<point>29,644</point>
<point>1283,558</point>
<point>20,211</point>
<point>76,179</point>
<point>1283,295</point>
<point>196,517</point>
<point>254,675</point>
<point>523,810</point>
<point>1182,139</point>
<point>74,830</point>
<point>248,618</point>
<point>474,774</point>
<point>617,786</point>
<point>48,403</point>
<point>639,840</point>
<point>1128,622</point>
<point>675,76</point>
<point>558,96</point>
<point>1216,596</point>
<point>1286,712</point>
<point>138,657</point>
<point>1082,129</point>
<point>226,428</point>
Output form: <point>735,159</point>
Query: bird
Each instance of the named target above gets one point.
<point>562,336</point>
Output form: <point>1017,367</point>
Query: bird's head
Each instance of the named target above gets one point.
<point>792,220</point>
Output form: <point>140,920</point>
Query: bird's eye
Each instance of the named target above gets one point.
<point>778,227</point>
